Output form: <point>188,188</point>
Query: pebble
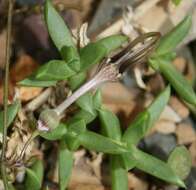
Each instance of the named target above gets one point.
<point>165,127</point>
<point>179,107</point>
<point>191,180</point>
<point>185,133</point>
<point>160,145</point>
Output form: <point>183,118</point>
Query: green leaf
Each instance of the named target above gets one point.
<point>86,116</point>
<point>112,42</point>
<point>111,128</point>
<point>145,120</point>
<point>61,36</point>
<point>157,106</point>
<point>57,28</point>
<point>110,124</point>
<point>54,70</point>
<point>11,113</point>
<point>35,176</point>
<point>85,102</point>
<point>48,74</point>
<point>118,174</point>
<point>137,129</point>
<point>32,81</point>
<point>154,63</point>
<point>95,52</point>
<point>176,2</point>
<point>99,143</point>
<point>169,42</point>
<point>97,101</point>
<point>155,167</point>
<point>65,165</point>
<point>127,160</point>
<point>55,134</point>
<point>180,161</point>
<point>71,56</point>
<point>179,83</point>
<point>75,128</point>
<point>91,54</point>
<point>77,80</point>
<point>11,187</point>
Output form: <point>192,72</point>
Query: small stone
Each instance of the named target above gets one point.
<point>191,180</point>
<point>147,19</point>
<point>107,11</point>
<point>156,83</point>
<point>180,64</point>
<point>170,115</point>
<point>86,186</point>
<point>179,107</point>
<point>160,145</point>
<point>122,102</point>
<point>165,127</point>
<point>185,133</point>
<point>192,150</point>
<point>135,182</point>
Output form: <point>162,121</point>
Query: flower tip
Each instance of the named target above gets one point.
<point>41,126</point>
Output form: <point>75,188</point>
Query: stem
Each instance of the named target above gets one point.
<point>81,91</point>
<point>118,174</point>
<point>39,100</point>
<point>7,61</point>
<point>107,73</point>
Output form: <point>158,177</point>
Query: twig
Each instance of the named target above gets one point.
<point>8,44</point>
<point>39,100</point>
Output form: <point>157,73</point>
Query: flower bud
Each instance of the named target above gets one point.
<point>48,120</point>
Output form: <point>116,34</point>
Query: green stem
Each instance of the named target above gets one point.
<point>118,173</point>
<point>8,43</point>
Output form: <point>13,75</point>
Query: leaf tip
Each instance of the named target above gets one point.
<point>180,183</point>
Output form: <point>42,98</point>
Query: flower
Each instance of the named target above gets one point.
<point>136,52</point>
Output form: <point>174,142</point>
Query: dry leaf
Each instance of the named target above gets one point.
<point>138,77</point>
<point>28,93</point>
<point>2,48</point>
<point>24,66</point>
<point>83,173</point>
<point>20,135</point>
<point>84,40</point>
<point>11,92</point>
<point>96,164</point>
